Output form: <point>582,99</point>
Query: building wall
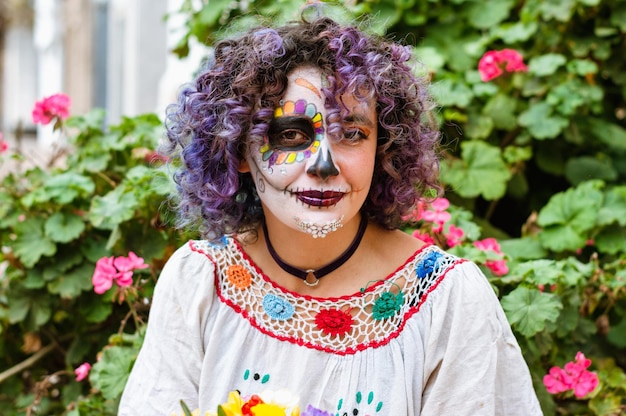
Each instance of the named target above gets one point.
<point>102,53</point>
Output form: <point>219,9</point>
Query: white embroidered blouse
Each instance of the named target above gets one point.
<point>430,339</point>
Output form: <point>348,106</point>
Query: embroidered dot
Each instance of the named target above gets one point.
<point>428,264</point>
<point>239,277</point>
<point>277,307</point>
<point>387,305</point>
<point>334,322</point>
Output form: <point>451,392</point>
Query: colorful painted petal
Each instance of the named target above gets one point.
<point>288,107</point>
<point>300,106</point>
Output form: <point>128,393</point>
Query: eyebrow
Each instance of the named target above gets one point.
<point>358,118</point>
<point>306,84</point>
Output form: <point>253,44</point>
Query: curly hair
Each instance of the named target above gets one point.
<point>233,99</point>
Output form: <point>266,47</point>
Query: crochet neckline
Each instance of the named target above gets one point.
<point>389,278</point>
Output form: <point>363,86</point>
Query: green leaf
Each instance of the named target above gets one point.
<point>63,228</point>
<point>557,9</point>
<point>450,93</point>
<point>569,215</point>
<point>112,209</point>
<point>525,248</point>
<point>584,168</point>
<point>514,154</point>
<point>608,133</point>
<point>31,242</point>
<point>478,126</point>
<point>540,122</point>
<point>528,310</point>
<point>480,171</point>
<point>611,240</point>
<point>501,109</point>
<point>488,13</point>
<point>70,285</point>
<point>511,33</point>
<point>432,59</point>
<point>614,208</point>
<point>547,64</point>
<point>66,187</point>
<point>109,375</point>
<point>582,67</point>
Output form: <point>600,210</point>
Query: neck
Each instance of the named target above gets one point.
<point>302,257</point>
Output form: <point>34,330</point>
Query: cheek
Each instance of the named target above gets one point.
<point>276,175</point>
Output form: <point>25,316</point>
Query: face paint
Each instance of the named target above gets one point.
<point>305,180</point>
<point>294,134</point>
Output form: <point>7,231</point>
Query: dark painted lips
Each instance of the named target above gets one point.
<point>320,198</point>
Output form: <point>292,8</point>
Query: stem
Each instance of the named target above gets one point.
<point>491,209</point>
<point>27,362</point>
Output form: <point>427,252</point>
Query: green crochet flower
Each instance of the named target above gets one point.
<point>387,305</point>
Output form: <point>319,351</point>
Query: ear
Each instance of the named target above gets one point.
<point>244,166</point>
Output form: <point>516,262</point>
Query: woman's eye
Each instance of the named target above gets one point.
<point>354,135</point>
<point>291,133</point>
<point>290,139</point>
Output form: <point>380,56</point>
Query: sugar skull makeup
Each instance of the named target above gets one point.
<point>294,134</point>
<point>304,178</point>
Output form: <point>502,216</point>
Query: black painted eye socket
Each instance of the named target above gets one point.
<point>291,133</point>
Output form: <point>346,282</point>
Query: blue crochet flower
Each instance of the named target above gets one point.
<point>223,242</point>
<point>428,264</point>
<point>277,307</point>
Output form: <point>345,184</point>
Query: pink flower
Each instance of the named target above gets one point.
<point>494,63</point>
<point>557,381</point>
<point>454,236</point>
<point>497,267</point>
<point>4,146</point>
<point>51,107</point>
<point>82,371</point>
<point>104,275</point>
<point>438,213</point>
<point>587,382</point>
<point>573,376</point>
<point>488,244</point>
<point>116,269</point>
<point>425,237</point>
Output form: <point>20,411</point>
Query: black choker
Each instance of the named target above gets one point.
<point>311,277</point>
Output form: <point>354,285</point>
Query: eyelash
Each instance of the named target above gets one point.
<point>354,135</point>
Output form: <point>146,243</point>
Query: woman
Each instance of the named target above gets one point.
<point>302,149</point>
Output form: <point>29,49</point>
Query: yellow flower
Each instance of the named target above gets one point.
<point>266,409</point>
<point>234,404</point>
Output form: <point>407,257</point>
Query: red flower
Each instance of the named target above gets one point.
<point>57,105</point>
<point>334,321</point>
<point>494,63</point>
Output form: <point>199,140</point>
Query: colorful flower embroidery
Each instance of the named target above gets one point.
<point>277,308</point>
<point>239,276</point>
<point>428,264</point>
<point>334,322</point>
<point>301,107</point>
<point>387,305</point>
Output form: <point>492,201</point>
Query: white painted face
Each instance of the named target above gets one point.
<point>304,178</point>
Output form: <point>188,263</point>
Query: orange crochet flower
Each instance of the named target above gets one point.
<point>239,277</point>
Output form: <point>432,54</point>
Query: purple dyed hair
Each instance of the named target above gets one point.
<point>233,100</point>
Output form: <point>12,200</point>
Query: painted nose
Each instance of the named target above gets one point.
<point>324,167</point>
